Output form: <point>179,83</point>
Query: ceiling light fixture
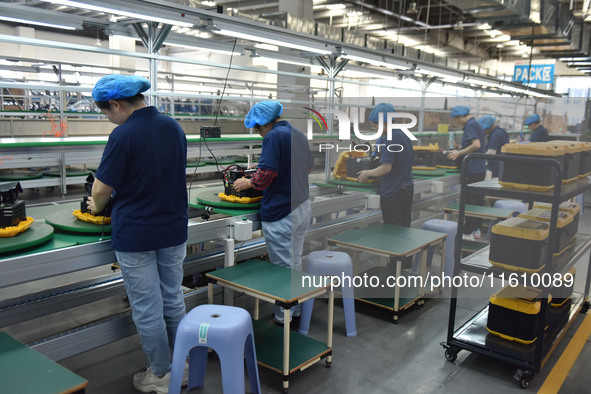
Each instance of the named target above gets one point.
<point>111,10</point>
<point>28,15</point>
<point>280,43</point>
<point>38,23</point>
<point>376,62</point>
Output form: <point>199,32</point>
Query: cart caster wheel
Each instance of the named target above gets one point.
<point>328,365</point>
<point>524,378</point>
<point>284,391</point>
<point>395,319</point>
<point>451,355</point>
<point>524,382</point>
<point>585,307</point>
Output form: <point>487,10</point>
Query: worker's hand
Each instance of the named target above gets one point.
<point>90,205</point>
<point>242,184</point>
<point>362,176</point>
<point>453,154</point>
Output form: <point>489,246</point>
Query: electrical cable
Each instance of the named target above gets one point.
<point>203,138</point>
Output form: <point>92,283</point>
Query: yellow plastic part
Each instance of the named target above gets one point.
<point>424,168</point>
<point>430,148</point>
<point>448,167</point>
<point>543,215</point>
<point>523,186</point>
<point>87,217</point>
<point>522,228</point>
<point>534,149</point>
<point>518,298</point>
<point>510,338</point>
<point>570,207</point>
<point>11,231</point>
<point>558,305</point>
<point>240,200</point>
<point>340,167</point>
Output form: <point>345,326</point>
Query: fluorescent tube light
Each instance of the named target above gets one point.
<point>246,36</point>
<point>374,62</point>
<point>108,10</point>
<point>477,81</point>
<point>38,23</point>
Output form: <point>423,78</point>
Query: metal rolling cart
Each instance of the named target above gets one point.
<point>473,335</point>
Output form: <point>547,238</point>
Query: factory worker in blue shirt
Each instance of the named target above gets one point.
<point>282,175</point>
<point>472,141</point>
<point>497,137</point>
<point>143,166</point>
<point>395,170</point>
<point>539,134</point>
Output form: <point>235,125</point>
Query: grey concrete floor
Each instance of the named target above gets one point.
<point>383,358</point>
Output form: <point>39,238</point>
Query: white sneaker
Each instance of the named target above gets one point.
<point>467,237</point>
<point>147,382</point>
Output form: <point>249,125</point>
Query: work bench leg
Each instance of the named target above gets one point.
<point>330,326</point>
<point>286,324</point>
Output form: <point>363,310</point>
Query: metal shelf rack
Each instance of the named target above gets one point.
<point>473,335</point>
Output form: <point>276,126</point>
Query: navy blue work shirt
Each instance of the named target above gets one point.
<point>285,150</point>
<point>397,151</point>
<point>496,139</point>
<point>539,135</point>
<point>145,162</point>
<point>473,131</point>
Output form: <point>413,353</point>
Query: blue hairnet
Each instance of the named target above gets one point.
<point>535,118</point>
<point>263,113</point>
<point>381,107</point>
<point>460,110</point>
<point>486,122</point>
<point>115,87</point>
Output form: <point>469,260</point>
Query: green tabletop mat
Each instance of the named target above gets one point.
<point>268,339</point>
<point>64,220</point>
<point>193,163</point>
<point>277,282</point>
<point>346,182</point>
<point>17,175</point>
<point>210,196</point>
<point>24,371</point>
<point>226,211</point>
<point>430,173</point>
<point>69,172</point>
<point>34,235</point>
<point>219,162</point>
<point>501,213</point>
<point>387,238</point>
<point>473,246</point>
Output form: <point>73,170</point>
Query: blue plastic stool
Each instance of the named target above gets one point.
<point>441,226</point>
<point>517,207</point>
<point>339,264</point>
<point>228,331</point>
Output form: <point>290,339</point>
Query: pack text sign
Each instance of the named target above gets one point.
<point>539,73</point>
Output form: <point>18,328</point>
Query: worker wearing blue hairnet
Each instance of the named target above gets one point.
<point>497,137</point>
<point>395,169</point>
<point>144,165</point>
<point>539,134</point>
<point>472,141</point>
<point>282,175</point>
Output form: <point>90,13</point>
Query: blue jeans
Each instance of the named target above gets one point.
<point>153,284</point>
<point>285,244</point>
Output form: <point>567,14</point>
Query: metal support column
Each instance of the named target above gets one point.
<point>332,69</point>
